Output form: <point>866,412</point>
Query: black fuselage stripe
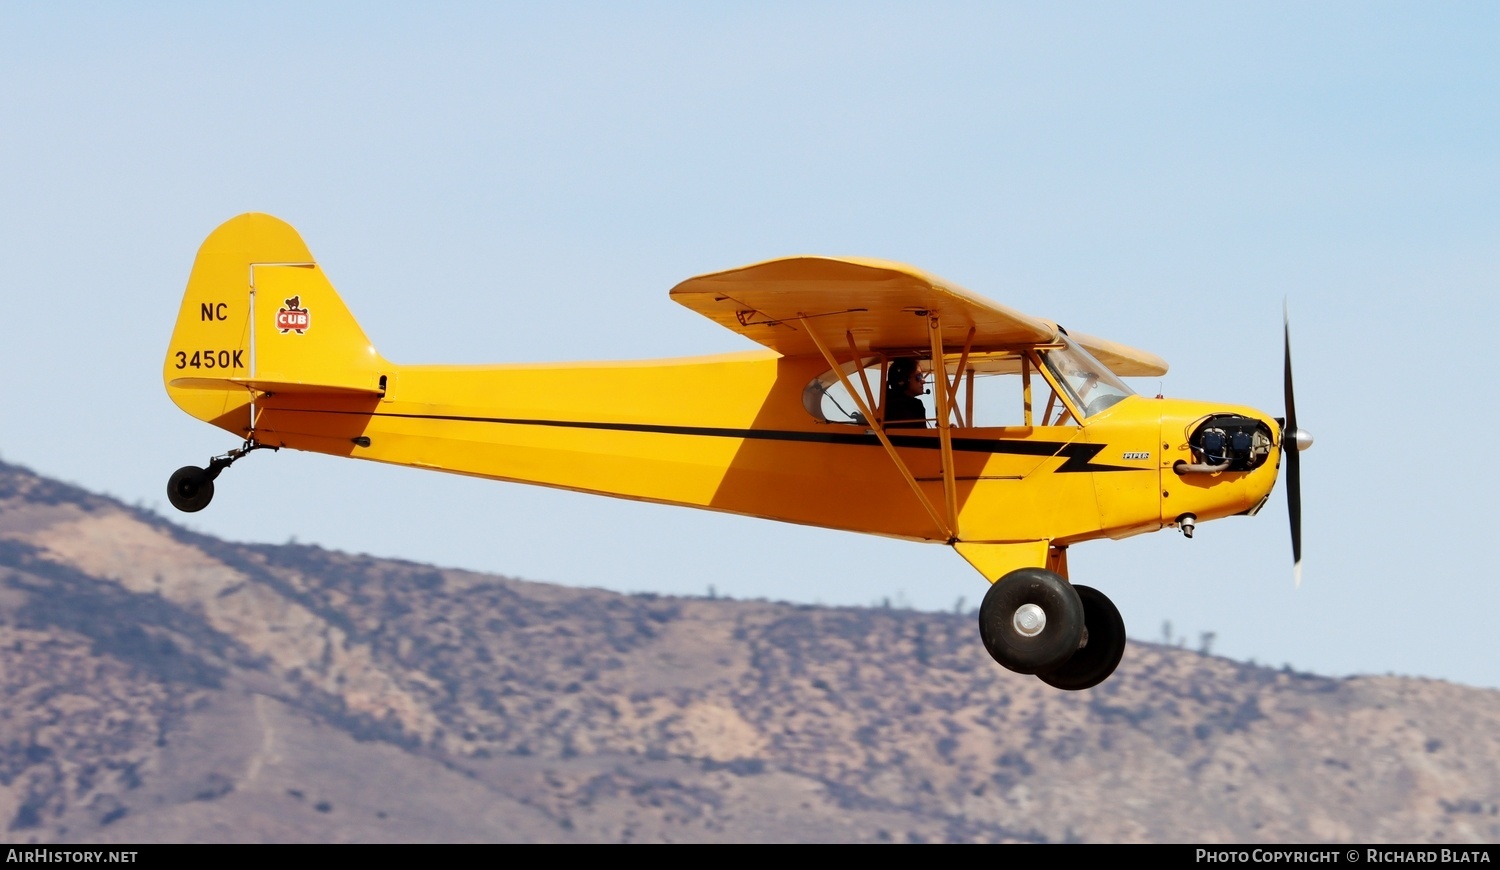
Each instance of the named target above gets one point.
<point>1077,454</point>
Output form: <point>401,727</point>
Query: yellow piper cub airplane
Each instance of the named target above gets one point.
<point>1033,442</point>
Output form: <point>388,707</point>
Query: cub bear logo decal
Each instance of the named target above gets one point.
<point>293,317</point>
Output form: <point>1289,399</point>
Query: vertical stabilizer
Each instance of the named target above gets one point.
<point>259,316</point>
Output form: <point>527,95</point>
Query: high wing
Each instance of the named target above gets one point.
<point>882,304</point>
<point>1125,361</point>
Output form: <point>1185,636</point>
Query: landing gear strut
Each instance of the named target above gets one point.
<point>191,488</point>
<point>1032,621</point>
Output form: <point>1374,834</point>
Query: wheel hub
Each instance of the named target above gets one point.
<point>1029,620</point>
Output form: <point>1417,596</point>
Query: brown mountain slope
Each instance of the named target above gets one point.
<point>160,685</point>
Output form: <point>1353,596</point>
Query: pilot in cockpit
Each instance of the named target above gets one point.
<point>903,384</point>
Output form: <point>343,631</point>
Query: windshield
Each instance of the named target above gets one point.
<point>1090,384</point>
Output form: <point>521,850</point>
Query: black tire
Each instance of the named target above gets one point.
<point>190,489</point>
<point>1059,636</point>
<point>1104,645</point>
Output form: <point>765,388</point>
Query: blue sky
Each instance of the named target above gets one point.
<point>497,183</point>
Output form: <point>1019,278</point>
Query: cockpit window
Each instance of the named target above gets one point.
<point>994,389</point>
<point>1090,384</point>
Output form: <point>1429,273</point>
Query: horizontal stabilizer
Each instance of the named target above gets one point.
<point>270,387</point>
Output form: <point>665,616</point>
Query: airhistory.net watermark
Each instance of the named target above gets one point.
<point>67,856</point>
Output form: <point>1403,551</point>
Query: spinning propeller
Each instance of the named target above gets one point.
<point>1293,442</point>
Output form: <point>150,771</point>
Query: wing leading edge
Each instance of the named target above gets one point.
<point>882,304</point>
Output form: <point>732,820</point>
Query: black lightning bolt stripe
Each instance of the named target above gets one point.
<point>1079,456</point>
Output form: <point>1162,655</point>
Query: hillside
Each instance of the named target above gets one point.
<point>162,685</point>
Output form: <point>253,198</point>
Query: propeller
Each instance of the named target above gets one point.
<point>1293,442</point>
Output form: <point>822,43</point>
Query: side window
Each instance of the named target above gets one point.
<point>990,392</point>
<point>828,402</point>
<point>998,394</point>
<point>1050,410</point>
<point>993,389</point>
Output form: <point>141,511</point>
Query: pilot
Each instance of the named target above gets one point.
<point>903,384</point>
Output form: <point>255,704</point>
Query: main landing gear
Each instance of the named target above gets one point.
<point>1032,621</point>
<point>191,488</point>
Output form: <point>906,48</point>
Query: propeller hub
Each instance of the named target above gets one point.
<point>1303,439</point>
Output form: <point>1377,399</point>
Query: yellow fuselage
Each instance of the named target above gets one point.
<point>730,433</point>
<point>264,348</point>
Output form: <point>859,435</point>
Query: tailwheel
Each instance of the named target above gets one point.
<point>1031,621</point>
<point>190,489</point>
<point>1102,646</point>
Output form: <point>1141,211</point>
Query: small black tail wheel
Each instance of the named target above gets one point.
<point>1104,645</point>
<point>190,489</point>
<point>1031,620</point>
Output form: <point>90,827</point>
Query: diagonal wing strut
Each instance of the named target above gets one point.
<point>947,525</point>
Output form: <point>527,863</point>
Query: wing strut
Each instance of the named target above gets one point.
<point>879,429</point>
<point>965,418</point>
<point>944,393</point>
<point>864,382</point>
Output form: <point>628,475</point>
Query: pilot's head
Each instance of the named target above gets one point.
<point>904,377</point>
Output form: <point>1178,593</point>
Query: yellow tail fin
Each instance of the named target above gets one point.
<point>259,316</point>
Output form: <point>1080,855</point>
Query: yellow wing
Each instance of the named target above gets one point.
<point>1128,362</point>
<point>883,304</point>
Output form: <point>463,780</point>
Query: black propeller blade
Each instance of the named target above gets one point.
<point>1291,452</point>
